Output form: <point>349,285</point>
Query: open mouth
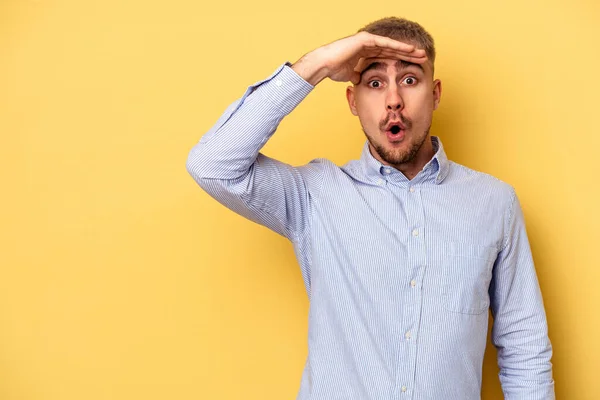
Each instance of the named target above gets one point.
<point>395,133</point>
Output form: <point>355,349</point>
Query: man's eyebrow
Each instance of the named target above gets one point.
<point>377,66</point>
<point>400,65</point>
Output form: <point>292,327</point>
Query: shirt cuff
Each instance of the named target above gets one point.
<point>284,89</point>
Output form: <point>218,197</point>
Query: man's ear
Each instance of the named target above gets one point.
<point>351,99</point>
<point>437,93</point>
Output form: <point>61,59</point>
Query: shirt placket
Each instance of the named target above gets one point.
<point>411,290</point>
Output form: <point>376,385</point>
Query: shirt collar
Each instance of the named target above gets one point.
<point>436,169</point>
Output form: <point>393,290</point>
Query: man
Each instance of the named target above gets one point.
<point>403,251</point>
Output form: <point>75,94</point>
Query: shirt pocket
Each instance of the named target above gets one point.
<point>467,277</point>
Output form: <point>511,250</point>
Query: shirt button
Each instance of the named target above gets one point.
<point>407,335</point>
<point>412,189</point>
<point>413,283</point>
<point>415,232</point>
<point>386,171</point>
<point>278,82</point>
<point>380,182</point>
<point>404,388</point>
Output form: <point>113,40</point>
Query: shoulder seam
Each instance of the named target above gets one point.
<point>510,213</point>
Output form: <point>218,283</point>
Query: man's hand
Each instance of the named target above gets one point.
<point>341,60</point>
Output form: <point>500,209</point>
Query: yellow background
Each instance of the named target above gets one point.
<point>121,279</point>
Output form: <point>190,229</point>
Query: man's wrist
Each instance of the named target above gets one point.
<point>309,69</point>
<point>283,90</point>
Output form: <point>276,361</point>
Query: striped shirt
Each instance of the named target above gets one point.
<point>400,273</point>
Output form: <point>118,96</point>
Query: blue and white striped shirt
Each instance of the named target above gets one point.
<point>400,273</point>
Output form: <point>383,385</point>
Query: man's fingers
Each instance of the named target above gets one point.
<point>360,65</point>
<point>413,53</point>
<point>395,55</point>
<point>381,42</point>
<point>413,57</point>
<point>381,46</point>
<point>355,78</point>
<point>385,42</point>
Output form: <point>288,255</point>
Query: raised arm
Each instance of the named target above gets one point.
<point>227,162</point>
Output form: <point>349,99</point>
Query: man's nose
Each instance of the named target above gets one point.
<point>393,100</point>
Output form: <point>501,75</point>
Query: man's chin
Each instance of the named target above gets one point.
<point>394,154</point>
<point>398,159</point>
<point>397,153</point>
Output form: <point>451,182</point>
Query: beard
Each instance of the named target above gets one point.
<point>399,156</point>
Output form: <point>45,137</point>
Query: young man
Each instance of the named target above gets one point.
<point>403,251</point>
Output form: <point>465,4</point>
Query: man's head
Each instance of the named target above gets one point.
<point>397,93</point>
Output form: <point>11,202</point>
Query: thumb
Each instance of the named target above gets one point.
<point>355,78</point>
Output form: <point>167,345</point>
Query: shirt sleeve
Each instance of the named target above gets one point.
<point>520,330</point>
<point>228,165</point>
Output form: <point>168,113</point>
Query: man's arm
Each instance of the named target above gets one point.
<point>227,162</point>
<point>520,330</point>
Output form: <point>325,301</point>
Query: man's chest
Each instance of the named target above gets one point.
<point>440,242</point>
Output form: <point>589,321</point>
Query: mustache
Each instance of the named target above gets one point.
<point>405,121</point>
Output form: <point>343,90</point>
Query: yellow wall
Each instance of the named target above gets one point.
<point>120,279</point>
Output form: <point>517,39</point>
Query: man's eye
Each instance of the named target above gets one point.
<point>410,80</point>
<point>374,84</point>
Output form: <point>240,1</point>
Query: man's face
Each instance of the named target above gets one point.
<point>394,102</point>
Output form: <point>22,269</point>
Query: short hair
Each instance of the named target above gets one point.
<point>405,31</point>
